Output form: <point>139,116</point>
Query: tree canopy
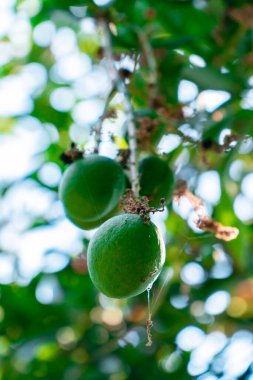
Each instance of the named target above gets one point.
<point>181,73</point>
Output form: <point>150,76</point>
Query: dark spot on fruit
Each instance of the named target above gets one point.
<point>150,274</point>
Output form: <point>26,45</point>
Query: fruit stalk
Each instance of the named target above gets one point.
<point>120,85</point>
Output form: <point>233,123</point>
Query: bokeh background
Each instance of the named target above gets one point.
<point>53,88</point>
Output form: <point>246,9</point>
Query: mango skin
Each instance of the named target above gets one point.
<point>90,189</point>
<point>156,180</point>
<point>125,256</point>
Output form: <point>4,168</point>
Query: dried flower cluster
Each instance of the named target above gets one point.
<point>131,204</point>
<point>209,144</point>
<point>71,154</point>
<point>144,132</point>
<point>166,112</point>
<point>123,158</point>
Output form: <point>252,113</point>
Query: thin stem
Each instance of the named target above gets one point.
<point>149,320</point>
<point>121,87</point>
<point>149,304</point>
<point>149,56</point>
<point>151,63</point>
<point>99,125</point>
<point>98,133</point>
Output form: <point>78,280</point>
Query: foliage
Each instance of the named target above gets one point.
<point>188,69</point>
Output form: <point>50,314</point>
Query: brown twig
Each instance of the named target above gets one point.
<point>204,222</point>
<point>182,190</point>
<point>225,233</point>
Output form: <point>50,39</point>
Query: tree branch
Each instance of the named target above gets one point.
<point>121,87</point>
